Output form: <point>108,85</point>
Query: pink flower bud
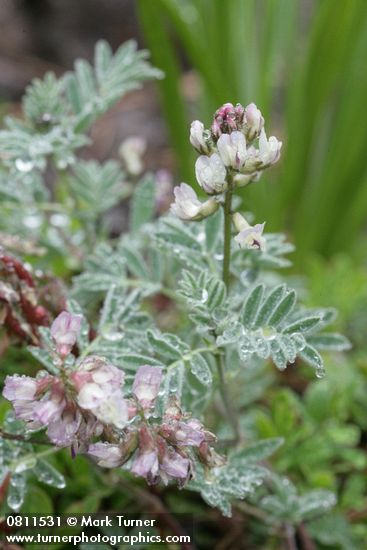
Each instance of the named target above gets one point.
<point>64,331</point>
<point>198,139</point>
<point>209,457</point>
<point>146,385</point>
<point>254,122</point>
<point>146,462</point>
<point>227,119</point>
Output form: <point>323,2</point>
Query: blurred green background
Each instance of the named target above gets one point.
<point>304,63</point>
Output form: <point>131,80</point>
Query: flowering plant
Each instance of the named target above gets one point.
<point>157,392</point>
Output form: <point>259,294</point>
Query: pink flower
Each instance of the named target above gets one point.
<point>64,331</point>
<point>146,462</point>
<point>44,402</point>
<point>107,454</point>
<point>64,430</point>
<point>49,409</point>
<point>163,190</point>
<point>19,388</point>
<point>99,387</point>
<point>190,433</point>
<point>146,385</point>
<point>172,464</point>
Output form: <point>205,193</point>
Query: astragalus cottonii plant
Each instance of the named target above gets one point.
<point>162,343</point>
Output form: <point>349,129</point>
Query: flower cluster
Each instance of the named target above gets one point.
<point>161,451</point>
<point>233,153</point>
<point>84,407</point>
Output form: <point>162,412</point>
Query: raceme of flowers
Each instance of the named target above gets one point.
<point>233,154</point>
<point>84,407</point>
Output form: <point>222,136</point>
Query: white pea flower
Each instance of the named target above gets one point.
<point>267,154</point>
<point>254,121</point>
<point>211,174</point>
<point>269,149</point>
<point>197,137</point>
<point>232,149</point>
<point>187,205</point>
<point>132,150</point>
<point>248,236</point>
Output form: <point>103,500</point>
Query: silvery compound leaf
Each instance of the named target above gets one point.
<point>200,368</point>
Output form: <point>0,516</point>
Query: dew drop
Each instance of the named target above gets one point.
<point>59,220</point>
<point>24,165</point>
<point>32,222</point>
<point>204,296</point>
<point>113,336</point>
<point>15,498</point>
<point>25,464</point>
<point>320,373</point>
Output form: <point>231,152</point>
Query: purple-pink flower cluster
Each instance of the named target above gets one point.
<point>160,451</point>
<point>84,407</point>
<point>229,118</point>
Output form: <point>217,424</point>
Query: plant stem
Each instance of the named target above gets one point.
<point>227,235</point>
<point>16,437</point>
<point>223,387</point>
<point>230,412</point>
<point>290,538</point>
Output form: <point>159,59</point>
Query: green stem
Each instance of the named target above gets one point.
<point>24,458</point>
<point>227,402</point>
<point>227,236</point>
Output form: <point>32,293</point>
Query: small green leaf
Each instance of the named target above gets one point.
<point>44,357</point>
<point>259,450</point>
<point>201,369</point>
<point>269,306</point>
<point>162,346</point>
<point>142,203</point>
<point>330,341</point>
<point>251,306</point>
<point>311,356</point>
<point>284,307</point>
<point>304,324</point>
